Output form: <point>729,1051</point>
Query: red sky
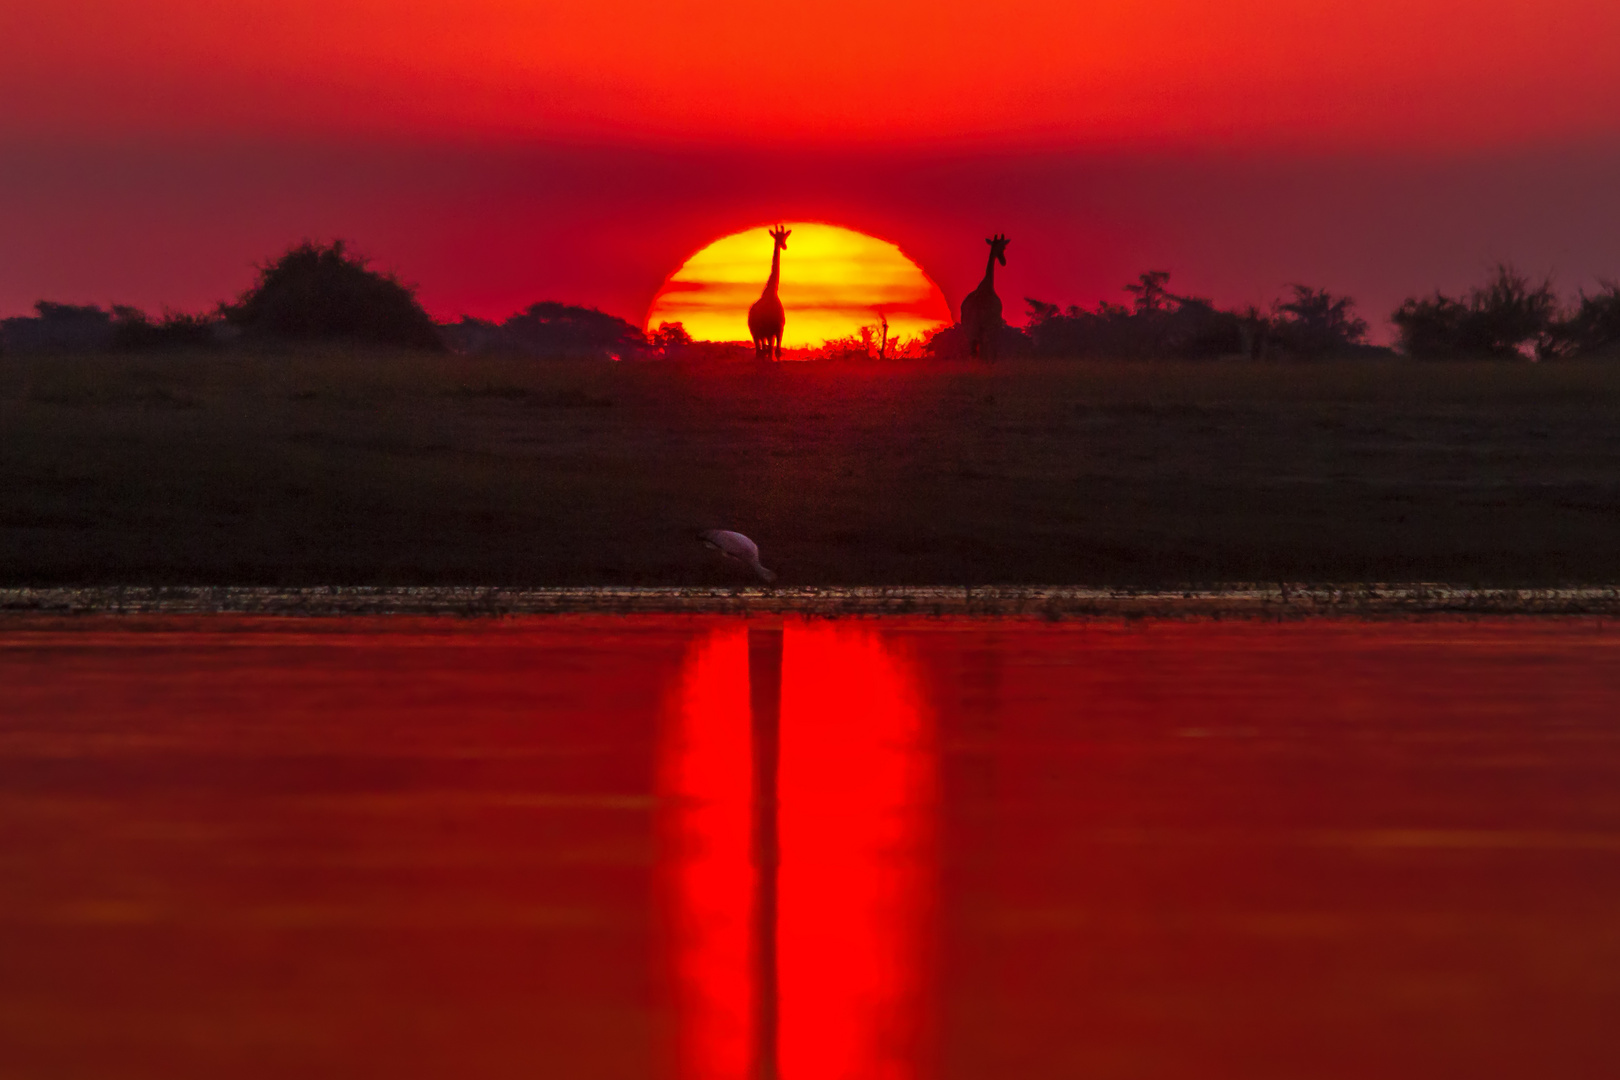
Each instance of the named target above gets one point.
<point>1376,72</point>
<point>502,151</point>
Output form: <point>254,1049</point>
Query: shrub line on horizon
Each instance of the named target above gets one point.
<point>323,292</point>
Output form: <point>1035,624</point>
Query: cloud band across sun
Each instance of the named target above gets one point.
<point>834,281</point>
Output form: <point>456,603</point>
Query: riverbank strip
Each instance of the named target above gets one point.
<point>1270,601</point>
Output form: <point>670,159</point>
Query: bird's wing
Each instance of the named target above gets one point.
<point>736,544</point>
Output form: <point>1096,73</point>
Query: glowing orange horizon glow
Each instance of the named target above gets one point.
<point>834,281</point>
<point>858,795</point>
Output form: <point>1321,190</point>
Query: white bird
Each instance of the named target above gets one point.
<point>734,545</point>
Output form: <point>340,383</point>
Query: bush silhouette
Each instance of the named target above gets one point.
<point>316,292</point>
<point>1432,327</point>
<point>1505,318</point>
<point>1157,323</point>
<point>1593,328</point>
<point>132,330</point>
<point>553,329</point>
<point>57,327</point>
<point>66,327</point>
<point>951,342</point>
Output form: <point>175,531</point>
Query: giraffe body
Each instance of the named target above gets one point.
<point>981,308</point>
<point>766,319</point>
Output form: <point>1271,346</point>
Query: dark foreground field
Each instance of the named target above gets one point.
<point>339,468</point>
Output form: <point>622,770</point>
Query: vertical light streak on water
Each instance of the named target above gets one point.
<point>857,800</point>
<point>765,709</point>
<point>706,789</point>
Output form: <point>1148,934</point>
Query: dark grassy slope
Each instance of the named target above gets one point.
<point>401,469</point>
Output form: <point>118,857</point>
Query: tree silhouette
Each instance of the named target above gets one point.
<point>1150,292</point>
<point>316,292</point>
<point>1509,313</point>
<point>670,338</point>
<point>1317,323</point>
<point>1431,327</point>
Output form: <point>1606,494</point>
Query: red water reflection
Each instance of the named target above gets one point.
<point>706,780</point>
<point>1166,850</point>
<point>854,893</point>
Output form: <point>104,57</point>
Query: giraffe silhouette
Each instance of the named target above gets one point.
<point>981,308</point>
<point>766,318</point>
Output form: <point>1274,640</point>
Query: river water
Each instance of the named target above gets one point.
<point>709,849</point>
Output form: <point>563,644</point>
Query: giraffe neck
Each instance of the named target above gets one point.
<point>776,273</point>
<point>989,282</point>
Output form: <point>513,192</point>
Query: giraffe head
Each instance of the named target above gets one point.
<point>780,235</point>
<point>998,248</point>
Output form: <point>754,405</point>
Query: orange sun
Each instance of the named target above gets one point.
<point>834,281</point>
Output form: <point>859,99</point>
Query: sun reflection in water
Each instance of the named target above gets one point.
<point>853,897</point>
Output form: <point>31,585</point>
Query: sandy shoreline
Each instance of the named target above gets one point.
<point>1230,601</point>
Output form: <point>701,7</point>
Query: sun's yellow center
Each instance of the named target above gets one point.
<point>834,282</point>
